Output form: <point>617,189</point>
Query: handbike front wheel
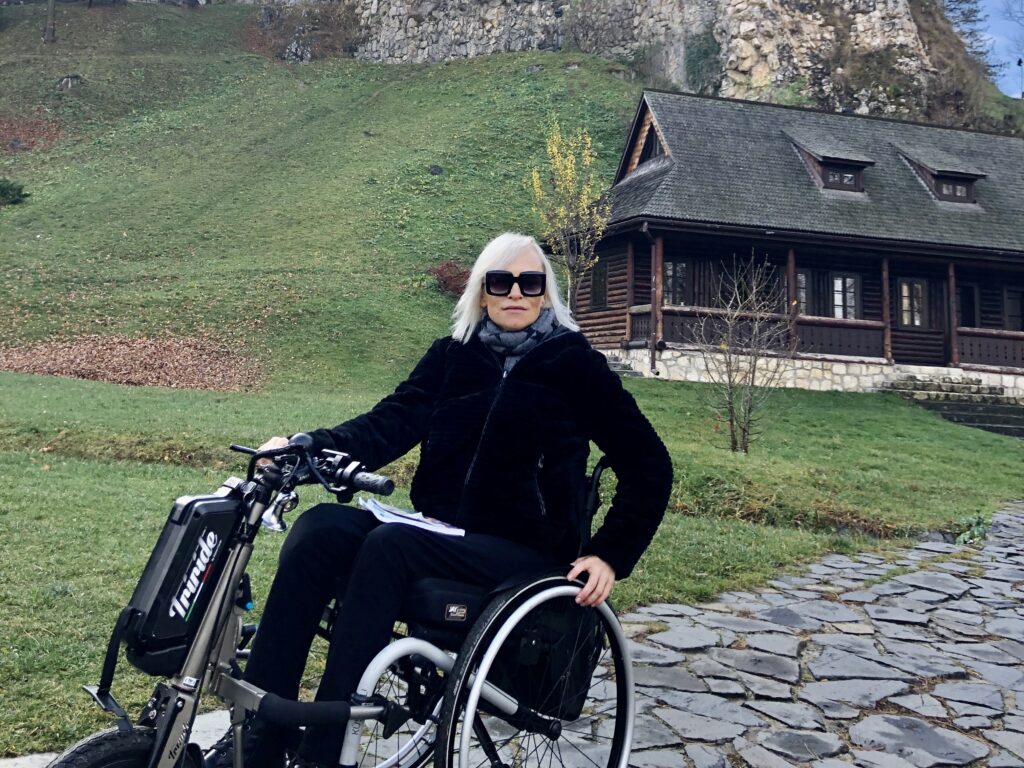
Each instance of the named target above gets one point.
<point>522,649</point>
<point>115,749</point>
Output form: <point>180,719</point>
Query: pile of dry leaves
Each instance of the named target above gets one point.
<point>182,363</point>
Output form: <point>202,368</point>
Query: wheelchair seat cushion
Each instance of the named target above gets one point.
<point>444,604</point>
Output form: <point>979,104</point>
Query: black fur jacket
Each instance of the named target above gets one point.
<point>507,454</point>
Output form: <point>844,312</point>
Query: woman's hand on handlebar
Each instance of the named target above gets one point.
<point>274,442</point>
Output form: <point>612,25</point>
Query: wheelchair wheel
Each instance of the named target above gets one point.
<point>540,681</point>
<point>115,749</point>
<point>412,743</point>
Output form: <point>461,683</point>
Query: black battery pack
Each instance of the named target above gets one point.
<point>179,579</point>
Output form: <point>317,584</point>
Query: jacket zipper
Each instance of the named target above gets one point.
<point>483,431</point>
<point>487,420</point>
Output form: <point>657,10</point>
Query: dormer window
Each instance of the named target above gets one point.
<point>850,178</point>
<point>648,144</point>
<point>652,147</point>
<point>832,165</point>
<point>949,178</point>
<point>954,190</point>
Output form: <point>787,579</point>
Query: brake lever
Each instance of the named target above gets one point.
<point>273,518</point>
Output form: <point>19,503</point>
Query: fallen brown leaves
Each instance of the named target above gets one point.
<point>23,134</point>
<point>177,362</point>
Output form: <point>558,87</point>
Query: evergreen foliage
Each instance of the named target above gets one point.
<point>11,192</point>
<point>703,63</point>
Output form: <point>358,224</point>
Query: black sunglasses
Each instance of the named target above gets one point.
<point>499,282</point>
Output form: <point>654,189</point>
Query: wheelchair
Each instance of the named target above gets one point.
<point>516,676</point>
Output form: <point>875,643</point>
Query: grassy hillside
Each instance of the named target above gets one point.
<point>290,213</point>
<point>288,209</point>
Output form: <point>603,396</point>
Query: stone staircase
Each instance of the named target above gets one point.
<point>621,367</point>
<point>964,401</point>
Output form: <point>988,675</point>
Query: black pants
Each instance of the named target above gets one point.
<point>342,551</point>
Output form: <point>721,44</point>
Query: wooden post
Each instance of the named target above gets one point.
<point>886,312</point>
<point>630,256</point>
<point>659,246</point>
<point>792,305</point>
<point>656,294</point>
<point>954,342</point>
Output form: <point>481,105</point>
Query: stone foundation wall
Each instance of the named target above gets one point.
<point>821,375</point>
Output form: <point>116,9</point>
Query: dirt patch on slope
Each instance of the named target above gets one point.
<point>177,362</point>
<point>24,134</point>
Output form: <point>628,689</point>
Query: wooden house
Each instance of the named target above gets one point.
<point>896,244</point>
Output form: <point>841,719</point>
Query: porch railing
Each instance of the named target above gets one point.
<point>841,338</point>
<point>816,335</point>
<point>983,346</point>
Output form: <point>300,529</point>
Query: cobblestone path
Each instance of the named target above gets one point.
<point>859,661</point>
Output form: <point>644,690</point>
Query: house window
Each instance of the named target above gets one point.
<point>803,287</point>
<point>1013,302</point>
<point>967,305</point>
<point>652,147</point>
<point>677,283</point>
<point>599,285</point>
<point>954,190</point>
<point>845,296</point>
<point>913,296</point>
<point>839,177</point>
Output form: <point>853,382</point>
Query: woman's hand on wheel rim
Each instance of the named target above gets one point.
<point>600,580</point>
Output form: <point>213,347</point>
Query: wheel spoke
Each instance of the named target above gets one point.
<point>545,638</point>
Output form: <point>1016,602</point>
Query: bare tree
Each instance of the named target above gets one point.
<point>1013,11</point>
<point>744,344</point>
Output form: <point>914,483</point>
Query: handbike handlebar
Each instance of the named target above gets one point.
<point>372,483</point>
<point>338,472</point>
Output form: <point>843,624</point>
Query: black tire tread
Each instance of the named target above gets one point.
<point>100,749</point>
<point>90,751</point>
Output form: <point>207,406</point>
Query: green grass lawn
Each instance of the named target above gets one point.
<point>79,512</point>
<point>290,213</point>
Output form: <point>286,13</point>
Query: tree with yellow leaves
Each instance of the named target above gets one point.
<point>572,211</point>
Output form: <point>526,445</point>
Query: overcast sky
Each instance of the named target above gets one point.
<point>1003,34</point>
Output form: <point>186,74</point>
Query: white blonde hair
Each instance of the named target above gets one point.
<point>497,254</point>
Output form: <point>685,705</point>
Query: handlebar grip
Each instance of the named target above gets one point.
<point>368,481</point>
<point>286,712</point>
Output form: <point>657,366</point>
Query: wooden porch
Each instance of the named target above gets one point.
<point>846,305</point>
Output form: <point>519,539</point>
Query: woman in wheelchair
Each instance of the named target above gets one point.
<point>504,411</point>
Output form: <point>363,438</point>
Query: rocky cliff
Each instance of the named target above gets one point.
<point>865,55</point>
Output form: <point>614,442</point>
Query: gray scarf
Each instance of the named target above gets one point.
<point>512,345</point>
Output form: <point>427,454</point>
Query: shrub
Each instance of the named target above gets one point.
<point>451,277</point>
<point>11,192</point>
<point>703,63</point>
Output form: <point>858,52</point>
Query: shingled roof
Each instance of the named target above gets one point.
<point>735,163</point>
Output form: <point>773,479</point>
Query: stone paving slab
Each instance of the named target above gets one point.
<point>838,666</point>
<point>920,670</point>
